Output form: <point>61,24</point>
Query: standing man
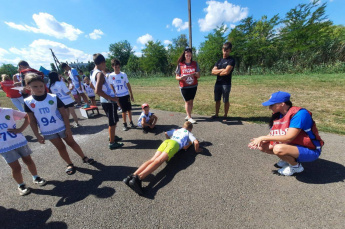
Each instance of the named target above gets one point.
<point>24,69</point>
<point>223,70</point>
<point>74,75</point>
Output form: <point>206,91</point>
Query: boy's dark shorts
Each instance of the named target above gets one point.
<point>110,110</point>
<point>125,103</point>
<point>91,97</point>
<point>69,105</point>
<point>188,93</point>
<point>220,90</point>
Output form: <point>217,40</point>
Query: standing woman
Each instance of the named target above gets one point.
<point>187,73</point>
<point>294,137</point>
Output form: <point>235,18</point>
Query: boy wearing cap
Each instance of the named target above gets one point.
<point>147,120</point>
<point>294,137</point>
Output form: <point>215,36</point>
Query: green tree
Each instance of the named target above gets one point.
<point>121,50</point>
<point>154,58</point>
<point>53,68</point>
<point>8,69</point>
<point>211,50</point>
<point>175,49</point>
<point>133,64</point>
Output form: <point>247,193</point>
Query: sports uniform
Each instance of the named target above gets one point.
<point>60,90</point>
<point>179,138</point>
<point>74,75</point>
<point>119,82</point>
<point>146,117</point>
<point>189,85</point>
<point>89,91</point>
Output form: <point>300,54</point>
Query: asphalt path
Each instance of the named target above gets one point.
<point>226,186</point>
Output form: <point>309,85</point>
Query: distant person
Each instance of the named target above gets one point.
<point>81,73</point>
<point>63,93</point>
<point>47,113</point>
<point>122,87</point>
<point>24,69</point>
<point>16,97</point>
<point>13,145</point>
<point>223,70</point>
<point>176,140</point>
<point>89,91</point>
<point>294,137</point>
<point>188,73</point>
<point>74,75</point>
<point>107,98</point>
<point>74,92</point>
<point>147,120</point>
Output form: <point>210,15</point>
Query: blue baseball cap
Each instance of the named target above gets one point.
<point>277,97</point>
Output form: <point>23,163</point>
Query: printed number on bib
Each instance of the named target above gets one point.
<point>46,122</point>
<point>118,87</point>
<point>3,135</point>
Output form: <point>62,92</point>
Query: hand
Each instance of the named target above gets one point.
<point>15,131</point>
<point>40,139</point>
<point>132,99</point>
<point>115,99</point>
<point>199,150</point>
<point>255,143</point>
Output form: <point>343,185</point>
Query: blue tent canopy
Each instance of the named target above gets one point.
<point>45,71</point>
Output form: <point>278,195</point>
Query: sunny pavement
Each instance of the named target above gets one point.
<point>226,186</point>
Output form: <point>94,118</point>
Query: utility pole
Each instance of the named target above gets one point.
<point>190,24</point>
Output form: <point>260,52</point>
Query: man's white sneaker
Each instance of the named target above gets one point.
<point>290,170</point>
<point>191,121</point>
<point>282,164</point>
<point>23,190</point>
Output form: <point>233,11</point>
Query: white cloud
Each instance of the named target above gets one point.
<point>144,39</point>
<point>96,34</point>
<point>221,12</point>
<point>138,54</point>
<point>232,26</point>
<point>47,24</point>
<point>179,24</point>
<point>167,42</point>
<point>135,47</point>
<point>3,52</point>
<point>38,54</point>
<point>167,26</point>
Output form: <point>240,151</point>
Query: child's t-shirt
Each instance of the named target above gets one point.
<point>181,136</point>
<point>10,141</point>
<point>119,81</point>
<point>143,115</point>
<point>74,90</point>
<point>89,91</point>
<point>73,74</point>
<point>60,90</point>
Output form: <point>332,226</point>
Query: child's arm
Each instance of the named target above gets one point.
<point>98,89</point>
<point>154,121</point>
<point>63,113</point>
<point>23,127</point>
<point>166,135</point>
<point>130,91</point>
<point>34,127</point>
<point>197,146</point>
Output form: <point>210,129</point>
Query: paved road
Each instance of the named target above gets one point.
<point>227,186</point>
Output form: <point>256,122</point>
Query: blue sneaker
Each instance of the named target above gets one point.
<point>86,106</point>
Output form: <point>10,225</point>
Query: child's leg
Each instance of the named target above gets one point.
<point>111,130</point>
<point>74,115</point>
<point>93,101</point>
<point>153,165</point>
<point>74,145</point>
<point>130,115</point>
<point>84,98</point>
<point>124,117</point>
<point>16,172</point>
<point>60,146</point>
<point>30,164</point>
<point>78,99</point>
<point>145,164</point>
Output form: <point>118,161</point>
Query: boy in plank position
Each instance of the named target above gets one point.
<point>176,140</point>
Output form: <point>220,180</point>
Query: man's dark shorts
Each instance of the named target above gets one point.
<point>220,90</point>
<point>125,103</point>
<point>111,111</point>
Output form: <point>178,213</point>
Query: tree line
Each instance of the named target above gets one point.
<point>303,41</point>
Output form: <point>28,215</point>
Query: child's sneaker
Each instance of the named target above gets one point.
<point>191,121</point>
<point>125,128</point>
<point>127,179</point>
<point>282,164</point>
<point>118,139</point>
<point>115,145</point>
<point>135,184</point>
<point>132,124</point>
<point>23,190</point>
<point>290,170</point>
<point>186,118</point>
<point>145,130</point>
<point>40,181</point>
<point>78,106</point>
<point>86,106</point>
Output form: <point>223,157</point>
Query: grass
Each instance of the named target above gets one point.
<point>322,94</point>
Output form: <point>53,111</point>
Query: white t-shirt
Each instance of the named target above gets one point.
<point>147,118</point>
<point>60,90</point>
<point>73,74</point>
<point>181,136</point>
<point>119,82</point>
<point>89,91</point>
<point>105,87</point>
<point>73,91</point>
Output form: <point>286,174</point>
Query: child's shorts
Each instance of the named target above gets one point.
<point>307,155</point>
<point>60,134</point>
<point>125,103</point>
<point>110,110</point>
<point>15,154</point>
<point>69,105</point>
<point>76,96</point>
<point>170,147</point>
<point>92,97</point>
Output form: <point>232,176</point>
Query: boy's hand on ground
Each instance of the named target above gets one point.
<point>199,150</point>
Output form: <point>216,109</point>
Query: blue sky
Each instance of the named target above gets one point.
<point>76,29</point>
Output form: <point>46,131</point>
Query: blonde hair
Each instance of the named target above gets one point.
<point>188,125</point>
<point>5,77</point>
<point>32,77</point>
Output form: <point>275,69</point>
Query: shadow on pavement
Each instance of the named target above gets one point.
<point>163,128</point>
<point>12,218</point>
<point>72,191</point>
<point>142,144</point>
<point>322,172</point>
<point>83,130</point>
<point>181,161</point>
<point>234,120</point>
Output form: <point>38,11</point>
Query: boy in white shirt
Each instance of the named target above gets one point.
<point>147,120</point>
<point>121,86</point>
